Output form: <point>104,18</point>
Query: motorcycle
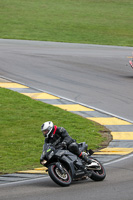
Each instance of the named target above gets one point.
<point>64,167</point>
<point>131,61</point>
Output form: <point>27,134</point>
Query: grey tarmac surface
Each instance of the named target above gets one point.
<point>94,75</point>
<point>98,76</point>
<point>117,186</point>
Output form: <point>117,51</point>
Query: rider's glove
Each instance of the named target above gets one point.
<point>63,144</point>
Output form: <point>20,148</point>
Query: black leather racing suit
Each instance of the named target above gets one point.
<point>60,135</point>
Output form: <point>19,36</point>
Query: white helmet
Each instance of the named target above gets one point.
<point>46,128</point>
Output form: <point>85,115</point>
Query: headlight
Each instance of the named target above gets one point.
<point>50,155</point>
<point>44,162</point>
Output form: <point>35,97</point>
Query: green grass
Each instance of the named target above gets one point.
<point>21,140</point>
<point>77,21</point>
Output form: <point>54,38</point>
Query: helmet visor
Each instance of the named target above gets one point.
<point>45,132</point>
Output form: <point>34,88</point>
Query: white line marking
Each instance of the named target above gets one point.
<point>16,182</point>
<point>119,159</point>
<point>96,109</point>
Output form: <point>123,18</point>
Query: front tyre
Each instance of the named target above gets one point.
<point>62,179</point>
<point>98,175</point>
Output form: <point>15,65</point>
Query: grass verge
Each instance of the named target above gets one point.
<point>77,21</point>
<point>21,140</point>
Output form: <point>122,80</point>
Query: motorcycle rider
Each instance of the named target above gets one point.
<point>52,133</point>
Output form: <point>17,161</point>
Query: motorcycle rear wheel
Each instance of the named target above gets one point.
<point>62,179</point>
<point>98,175</point>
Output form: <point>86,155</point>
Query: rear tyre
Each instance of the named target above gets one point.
<point>62,179</point>
<point>98,175</point>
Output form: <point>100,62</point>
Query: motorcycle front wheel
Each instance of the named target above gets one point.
<point>98,175</point>
<point>62,179</point>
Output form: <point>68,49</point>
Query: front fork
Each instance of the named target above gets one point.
<point>59,166</point>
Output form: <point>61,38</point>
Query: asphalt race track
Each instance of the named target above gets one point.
<point>98,76</point>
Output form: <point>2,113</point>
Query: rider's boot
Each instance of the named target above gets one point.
<point>84,157</point>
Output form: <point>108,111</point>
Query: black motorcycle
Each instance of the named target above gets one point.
<point>65,167</point>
